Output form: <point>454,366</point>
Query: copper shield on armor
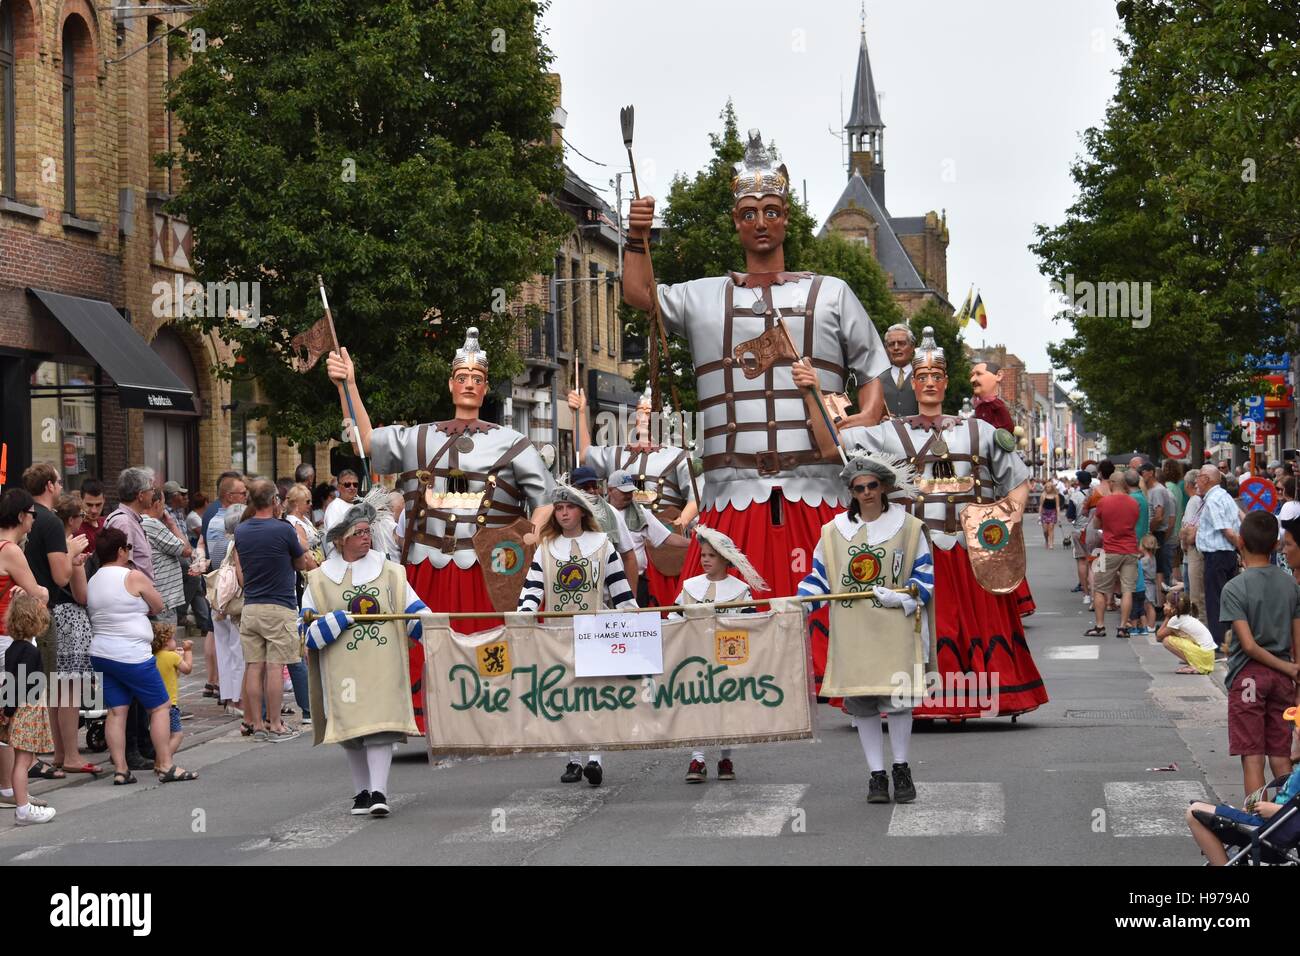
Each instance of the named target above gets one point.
<point>504,560</point>
<point>996,547</point>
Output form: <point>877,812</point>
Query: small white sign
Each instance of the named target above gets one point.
<point>616,644</point>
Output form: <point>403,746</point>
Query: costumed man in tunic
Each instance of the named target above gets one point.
<point>469,487</point>
<point>986,384</point>
<point>770,467</point>
<point>648,533</point>
<point>358,671</point>
<point>664,485</point>
<point>972,494</point>
<point>719,556</point>
<point>877,655</point>
<point>575,568</point>
<point>900,398</point>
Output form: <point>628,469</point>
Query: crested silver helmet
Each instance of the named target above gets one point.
<point>470,355</point>
<point>928,353</point>
<point>759,174</point>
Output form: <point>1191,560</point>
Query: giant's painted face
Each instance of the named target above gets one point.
<point>468,388</point>
<point>761,222</point>
<point>985,383</point>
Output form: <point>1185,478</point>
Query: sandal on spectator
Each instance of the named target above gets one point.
<point>120,778</point>
<point>44,771</point>
<point>175,775</point>
<point>89,768</point>
<point>1095,632</point>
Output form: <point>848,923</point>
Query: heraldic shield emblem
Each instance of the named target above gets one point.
<point>995,546</point>
<point>504,559</point>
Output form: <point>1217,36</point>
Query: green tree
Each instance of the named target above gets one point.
<point>699,239</point>
<point>947,335</point>
<point>1152,209</point>
<point>401,148</point>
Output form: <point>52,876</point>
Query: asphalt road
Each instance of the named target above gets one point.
<point>1070,784</point>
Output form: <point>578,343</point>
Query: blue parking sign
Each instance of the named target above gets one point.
<point>1254,409</point>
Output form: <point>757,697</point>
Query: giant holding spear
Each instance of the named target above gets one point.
<point>771,464</point>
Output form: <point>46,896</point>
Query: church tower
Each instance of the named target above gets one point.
<point>865,128</point>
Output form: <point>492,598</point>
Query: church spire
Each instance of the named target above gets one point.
<point>865,128</point>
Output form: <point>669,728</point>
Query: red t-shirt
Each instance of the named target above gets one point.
<point>1118,516</point>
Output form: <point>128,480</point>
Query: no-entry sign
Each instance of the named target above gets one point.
<point>1176,444</point>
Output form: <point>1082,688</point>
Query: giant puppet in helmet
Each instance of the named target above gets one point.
<point>475,496</point>
<point>769,483</point>
<point>971,492</point>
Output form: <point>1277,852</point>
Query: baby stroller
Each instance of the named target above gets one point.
<point>1274,843</point>
<point>92,717</point>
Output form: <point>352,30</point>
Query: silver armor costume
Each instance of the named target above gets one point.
<point>666,471</point>
<point>999,471</point>
<point>486,454</point>
<point>739,467</point>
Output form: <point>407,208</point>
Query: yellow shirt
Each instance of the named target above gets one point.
<point>169,663</point>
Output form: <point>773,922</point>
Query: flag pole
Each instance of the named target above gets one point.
<point>347,391</point>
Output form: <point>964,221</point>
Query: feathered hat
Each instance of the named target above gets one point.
<point>758,174</point>
<point>725,547</point>
<point>563,494</point>
<point>358,513</point>
<point>895,472</point>
<point>928,353</point>
<point>470,355</point>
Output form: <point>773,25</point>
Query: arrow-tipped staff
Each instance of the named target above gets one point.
<point>347,391</point>
<point>658,337</point>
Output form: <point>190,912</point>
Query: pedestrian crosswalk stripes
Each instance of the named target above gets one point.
<point>1151,808</point>
<point>529,816</point>
<point>743,810</point>
<point>1074,652</point>
<point>951,809</point>
<point>318,829</point>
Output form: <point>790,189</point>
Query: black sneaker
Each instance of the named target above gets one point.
<point>572,773</point>
<point>137,761</point>
<point>378,805</point>
<point>594,773</point>
<point>878,787</point>
<point>904,789</point>
<point>361,804</point>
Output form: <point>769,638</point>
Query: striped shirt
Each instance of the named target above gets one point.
<point>882,529</point>
<point>167,575</point>
<point>1218,513</point>
<point>617,593</point>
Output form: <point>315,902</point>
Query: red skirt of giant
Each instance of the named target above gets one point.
<point>782,553</point>
<point>1025,605</point>
<point>446,590</point>
<point>662,587</point>
<point>979,648</point>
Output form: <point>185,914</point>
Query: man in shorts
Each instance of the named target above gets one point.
<point>267,553</point>
<point>1262,607</point>
<point>1117,517</point>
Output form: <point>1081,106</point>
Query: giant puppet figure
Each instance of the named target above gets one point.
<point>972,491</point>
<point>470,488</point>
<point>769,485</point>
<point>986,383</point>
<point>662,474</point>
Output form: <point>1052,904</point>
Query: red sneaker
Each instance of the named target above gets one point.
<point>696,772</point>
<point>725,770</point>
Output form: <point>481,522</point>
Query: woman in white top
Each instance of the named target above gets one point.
<point>119,601</point>
<point>718,556</point>
<point>297,511</point>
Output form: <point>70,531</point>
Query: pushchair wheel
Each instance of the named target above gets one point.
<point>95,739</point>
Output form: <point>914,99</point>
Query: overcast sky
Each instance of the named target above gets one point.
<point>983,103</point>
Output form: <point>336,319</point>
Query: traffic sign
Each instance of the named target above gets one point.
<point>1258,494</point>
<point>1176,444</point>
<point>1219,433</point>
<point>1254,408</point>
<point>1272,361</point>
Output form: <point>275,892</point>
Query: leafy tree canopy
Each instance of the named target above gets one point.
<point>401,148</point>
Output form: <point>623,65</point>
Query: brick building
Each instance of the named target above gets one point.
<point>84,248</point>
<point>912,250</point>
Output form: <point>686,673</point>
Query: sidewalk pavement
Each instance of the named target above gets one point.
<point>208,723</point>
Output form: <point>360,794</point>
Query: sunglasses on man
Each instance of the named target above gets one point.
<point>348,484</point>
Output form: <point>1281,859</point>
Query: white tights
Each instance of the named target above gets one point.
<point>370,766</point>
<point>872,736</point>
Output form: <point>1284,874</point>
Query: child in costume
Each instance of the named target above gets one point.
<point>718,556</point>
<point>575,568</point>
<point>876,658</point>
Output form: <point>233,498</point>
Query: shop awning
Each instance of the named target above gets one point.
<point>143,380</point>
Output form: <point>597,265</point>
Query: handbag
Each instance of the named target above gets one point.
<point>224,592</point>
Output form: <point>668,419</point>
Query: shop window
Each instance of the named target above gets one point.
<point>65,420</point>
<point>243,427</point>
